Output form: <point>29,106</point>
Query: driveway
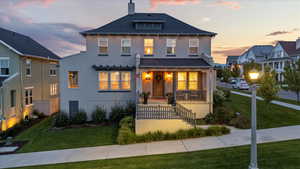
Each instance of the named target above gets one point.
<point>236,138</point>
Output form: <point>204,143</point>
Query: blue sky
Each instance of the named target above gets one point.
<point>239,23</point>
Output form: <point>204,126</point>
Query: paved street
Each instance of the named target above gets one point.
<point>236,138</point>
<point>281,94</point>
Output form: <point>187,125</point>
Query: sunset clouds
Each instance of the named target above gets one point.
<point>24,3</point>
<point>283,32</point>
<point>229,4</point>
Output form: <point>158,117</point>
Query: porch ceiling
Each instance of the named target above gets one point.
<point>174,63</point>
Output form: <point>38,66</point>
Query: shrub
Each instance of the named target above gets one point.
<point>219,98</point>
<point>117,113</point>
<point>38,114</point>
<point>99,115</point>
<point>127,122</point>
<point>241,122</point>
<point>221,115</point>
<point>79,118</point>
<point>130,109</point>
<point>227,94</point>
<point>214,131</point>
<point>126,136</point>
<point>61,120</point>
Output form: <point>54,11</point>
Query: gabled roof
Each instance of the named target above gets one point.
<point>125,26</point>
<point>174,63</point>
<point>24,45</point>
<point>262,50</point>
<point>288,46</point>
<point>232,59</point>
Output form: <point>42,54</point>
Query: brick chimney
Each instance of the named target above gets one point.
<point>131,8</point>
<point>298,43</point>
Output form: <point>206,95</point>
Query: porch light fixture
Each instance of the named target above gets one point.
<point>147,76</point>
<point>168,76</point>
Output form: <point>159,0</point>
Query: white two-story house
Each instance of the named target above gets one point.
<point>141,53</point>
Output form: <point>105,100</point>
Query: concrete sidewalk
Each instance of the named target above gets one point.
<point>236,138</point>
<point>291,106</point>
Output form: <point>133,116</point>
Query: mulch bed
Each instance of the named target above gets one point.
<point>18,144</point>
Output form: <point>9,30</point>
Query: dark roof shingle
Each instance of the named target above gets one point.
<point>125,25</point>
<point>174,63</point>
<point>25,44</point>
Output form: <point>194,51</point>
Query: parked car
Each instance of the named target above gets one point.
<point>241,84</point>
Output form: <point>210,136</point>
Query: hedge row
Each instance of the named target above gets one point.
<point>127,136</point>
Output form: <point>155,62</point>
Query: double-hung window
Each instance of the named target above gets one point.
<point>53,89</point>
<point>28,96</point>
<point>73,79</point>
<point>114,81</point>
<point>171,46</point>
<point>126,46</point>
<point>52,70</point>
<point>103,46</point>
<point>4,66</point>
<point>193,46</point>
<point>28,67</point>
<point>148,46</point>
<point>188,81</point>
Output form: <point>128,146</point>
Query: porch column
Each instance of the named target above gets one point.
<point>174,85</point>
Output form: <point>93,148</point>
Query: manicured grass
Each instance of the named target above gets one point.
<point>268,116</point>
<point>40,138</point>
<point>283,155</point>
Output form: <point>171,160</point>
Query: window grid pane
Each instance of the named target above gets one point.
<point>103,80</point>
<point>148,46</point>
<point>125,80</point>
<point>182,78</point>
<point>114,80</point>
<point>103,46</point>
<point>73,80</point>
<point>193,81</point>
<point>4,67</point>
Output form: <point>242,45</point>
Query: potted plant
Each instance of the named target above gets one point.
<point>171,99</point>
<point>145,96</point>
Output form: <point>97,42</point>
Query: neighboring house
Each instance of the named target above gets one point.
<point>138,53</point>
<point>28,78</point>
<point>231,61</point>
<point>283,54</point>
<point>258,54</point>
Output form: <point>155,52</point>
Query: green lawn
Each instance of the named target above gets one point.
<point>268,116</point>
<point>283,155</point>
<point>42,139</point>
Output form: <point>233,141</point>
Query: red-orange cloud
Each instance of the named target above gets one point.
<point>155,3</point>
<point>24,3</point>
<point>229,4</point>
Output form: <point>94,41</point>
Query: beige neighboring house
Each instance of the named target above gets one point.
<point>28,78</point>
<point>138,53</point>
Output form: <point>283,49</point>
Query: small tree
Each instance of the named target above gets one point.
<point>248,67</point>
<point>226,74</point>
<point>268,89</point>
<point>292,78</point>
<point>235,72</point>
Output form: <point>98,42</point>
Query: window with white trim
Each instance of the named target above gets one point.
<point>73,79</point>
<point>53,89</point>
<point>28,67</point>
<point>103,46</point>
<point>126,46</point>
<point>28,97</point>
<point>171,46</point>
<point>4,66</point>
<point>52,70</point>
<point>114,80</point>
<point>193,46</point>
<point>148,46</point>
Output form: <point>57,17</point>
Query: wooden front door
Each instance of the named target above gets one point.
<point>158,84</point>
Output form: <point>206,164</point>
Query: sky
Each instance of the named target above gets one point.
<point>240,24</point>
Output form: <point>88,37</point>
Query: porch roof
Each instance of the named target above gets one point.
<point>180,63</point>
<point>2,80</point>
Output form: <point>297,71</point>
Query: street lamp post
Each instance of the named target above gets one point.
<point>254,75</point>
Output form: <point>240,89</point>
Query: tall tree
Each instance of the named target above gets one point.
<point>236,71</point>
<point>226,74</point>
<point>248,67</point>
<point>268,86</point>
<point>292,78</point>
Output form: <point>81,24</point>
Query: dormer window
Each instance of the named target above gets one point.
<point>103,46</point>
<point>148,26</point>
